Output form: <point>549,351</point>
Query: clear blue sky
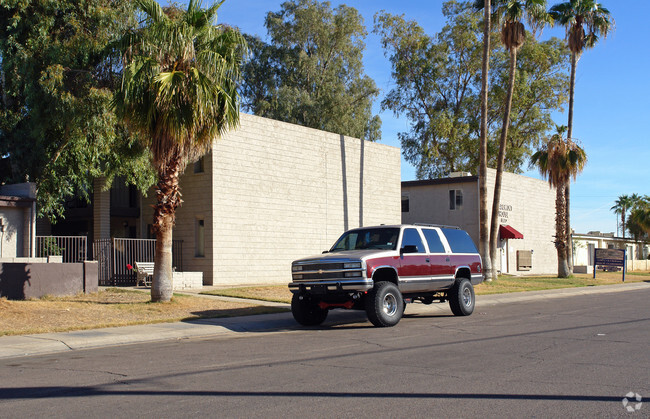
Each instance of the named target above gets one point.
<point>612,105</point>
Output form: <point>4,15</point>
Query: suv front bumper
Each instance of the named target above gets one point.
<point>322,287</point>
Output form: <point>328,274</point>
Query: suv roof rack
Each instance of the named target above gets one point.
<point>436,225</point>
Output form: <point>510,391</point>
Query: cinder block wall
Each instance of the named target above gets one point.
<point>273,192</point>
<point>528,205</point>
<point>530,209</point>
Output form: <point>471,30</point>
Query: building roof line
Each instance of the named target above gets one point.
<point>443,181</point>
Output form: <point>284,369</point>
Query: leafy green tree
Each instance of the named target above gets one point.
<point>585,22</point>
<point>513,35</point>
<point>312,73</point>
<point>179,92</point>
<point>559,160</point>
<point>57,76</point>
<point>438,83</point>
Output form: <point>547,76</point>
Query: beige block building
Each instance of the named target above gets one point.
<point>527,209</point>
<point>584,246</point>
<point>270,192</point>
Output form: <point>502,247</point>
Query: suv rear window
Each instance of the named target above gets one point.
<point>459,241</point>
<point>435,245</point>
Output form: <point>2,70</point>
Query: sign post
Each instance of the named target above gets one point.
<point>610,259</point>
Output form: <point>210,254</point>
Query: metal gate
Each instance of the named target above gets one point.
<point>114,256</point>
<point>71,249</point>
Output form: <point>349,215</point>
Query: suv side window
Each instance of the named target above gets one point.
<point>433,240</point>
<point>411,237</point>
<point>459,241</point>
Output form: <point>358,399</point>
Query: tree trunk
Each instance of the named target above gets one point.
<point>484,242</point>
<point>494,226</point>
<point>560,232</point>
<point>162,283</point>
<point>567,228</point>
<point>168,199</point>
<point>569,233</point>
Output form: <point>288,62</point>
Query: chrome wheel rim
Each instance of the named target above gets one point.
<point>467,296</point>
<point>390,305</point>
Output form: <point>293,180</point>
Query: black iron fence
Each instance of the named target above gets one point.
<point>116,255</point>
<point>72,249</point>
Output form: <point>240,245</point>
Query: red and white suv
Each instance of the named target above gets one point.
<point>379,269</point>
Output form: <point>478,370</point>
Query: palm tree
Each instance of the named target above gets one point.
<point>513,35</point>
<point>585,22</point>
<point>638,223</point>
<point>639,220</point>
<point>621,206</point>
<point>179,93</point>
<point>484,238</point>
<point>560,160</point>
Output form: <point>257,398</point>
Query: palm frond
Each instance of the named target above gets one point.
<point>152,9</point>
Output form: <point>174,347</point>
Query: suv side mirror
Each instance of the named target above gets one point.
<point>410,248</point>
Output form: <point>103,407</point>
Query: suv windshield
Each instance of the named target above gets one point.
<point>367,238</point>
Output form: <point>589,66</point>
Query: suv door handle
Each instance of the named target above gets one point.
<point>427,259</point>
<point>447,260</point>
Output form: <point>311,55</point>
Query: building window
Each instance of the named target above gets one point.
<point>199,238</point>
<point>199,165</point>
<point>455,199</point>
<point>405,204</point>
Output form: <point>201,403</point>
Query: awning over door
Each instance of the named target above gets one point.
<point>507,232</point>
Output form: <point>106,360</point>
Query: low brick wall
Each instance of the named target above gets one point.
<point>187,280</point>
<point>638,265</point>
<point>20,281</point>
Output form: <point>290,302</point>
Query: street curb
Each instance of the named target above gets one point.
<point>49,343</point>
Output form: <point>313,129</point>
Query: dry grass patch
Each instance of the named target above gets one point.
<point>275,293</point>
<point>112,307</point>
<point>505,284</point>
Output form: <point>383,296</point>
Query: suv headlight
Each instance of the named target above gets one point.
<point>352,265</point>
<point>295,268</point>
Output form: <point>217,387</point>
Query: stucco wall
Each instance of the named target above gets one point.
<point>12,239</point>
<point>430,204</point>
<point>17,220</point>
<point>273,192</point>
<point>19,281</point>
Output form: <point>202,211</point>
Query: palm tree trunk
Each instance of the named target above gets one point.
<point>484,238</point>
<point>569,233</point>
<point>494,226</point>
<point>168,199</point>
<point>567,198</point>
<point>560,232</point>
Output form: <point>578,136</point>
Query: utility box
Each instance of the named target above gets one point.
<point>524,260</point>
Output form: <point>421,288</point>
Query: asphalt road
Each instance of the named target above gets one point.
<point>567,357</point>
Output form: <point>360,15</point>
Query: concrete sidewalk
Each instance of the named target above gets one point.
<point>47,343</point>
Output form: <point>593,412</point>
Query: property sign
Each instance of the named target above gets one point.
<point>609,259</point>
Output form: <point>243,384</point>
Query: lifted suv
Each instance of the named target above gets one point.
<point>380,269</point>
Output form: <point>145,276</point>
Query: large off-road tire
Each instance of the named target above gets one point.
<point>384,304</point>
<point>461,297</point>
<point>306,311</point>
